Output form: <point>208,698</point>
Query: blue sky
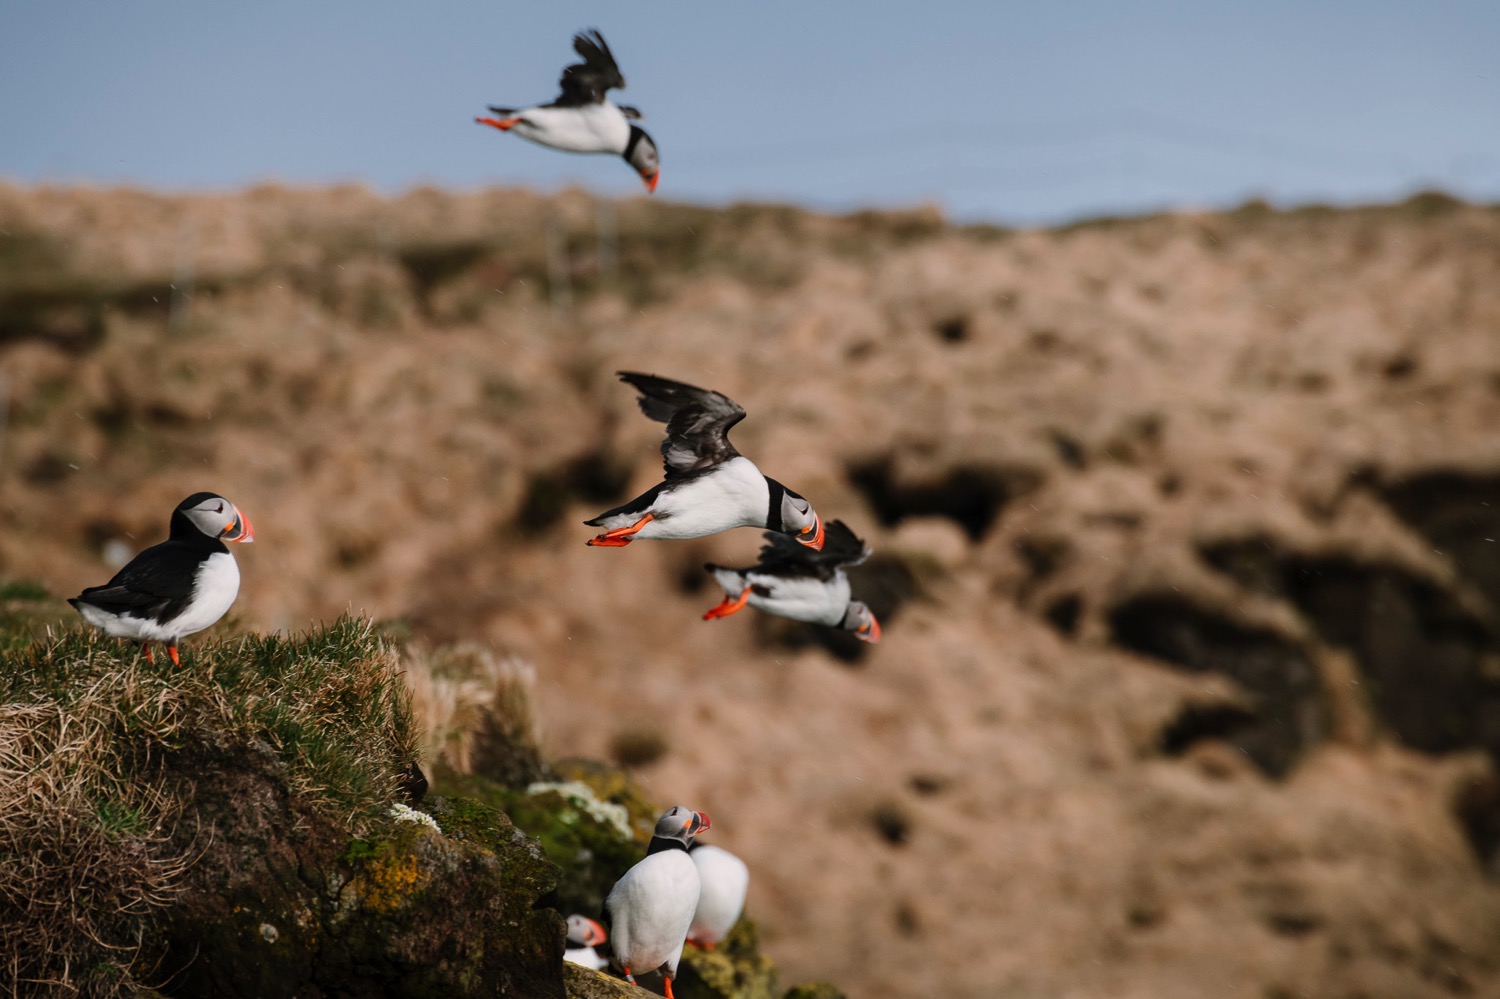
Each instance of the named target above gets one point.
<point>1005,112</point>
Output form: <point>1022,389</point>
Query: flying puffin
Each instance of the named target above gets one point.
<point>584,934</point>
<point>793,582</point>
<point>582,119</point>
<point>723,880</point>
<point>651,907</point>
<point>178,587</point>
<point>709,486</point>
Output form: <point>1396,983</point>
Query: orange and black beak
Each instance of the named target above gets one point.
<point>651,179</point>
<point>238,529</point>
<point>816,541</point>
<point>870,632</point>
<point>698,823</point>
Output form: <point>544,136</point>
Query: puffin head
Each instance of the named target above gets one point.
<point>800,520</point>
<point>213,515</point>
<point>859,620</point>
<point>681,824</point>
<point>585,932</point>
<point>640,152</point>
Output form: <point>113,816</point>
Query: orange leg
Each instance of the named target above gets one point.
<point>628,976</point>
<point>149,657</point>
<point>668,983</point>
<point>503,124</point>
<point>728,607</point>
<point>172,651</point>
<point>620,536</point>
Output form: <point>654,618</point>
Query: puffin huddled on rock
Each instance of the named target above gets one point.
<point>178,587</point>
<point>709,486</point>
<point>791,581</point>
<point>584,937</point>
<point>582,119</point>
<point>650,909</point>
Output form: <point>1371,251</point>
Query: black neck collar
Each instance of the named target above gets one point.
<point>773,509</point>
<point>636,135</point>
<point>660,844</point>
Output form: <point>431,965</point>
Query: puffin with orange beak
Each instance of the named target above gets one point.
<point>584,937</point>
<point>650,909</point>
<point>178,587</point>
<point>792,581</point>
<point>582,119</point>
<point>709,486</point>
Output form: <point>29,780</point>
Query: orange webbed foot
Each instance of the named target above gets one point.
<point>731,605</point>
<point>503,124</point>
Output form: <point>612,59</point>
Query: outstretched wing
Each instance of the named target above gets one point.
<point>585,82</point>
<point>698,422</point>
<point>783,555</point>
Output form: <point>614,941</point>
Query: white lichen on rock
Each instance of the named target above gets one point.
<point>405,813</point>
<point>582,796</point>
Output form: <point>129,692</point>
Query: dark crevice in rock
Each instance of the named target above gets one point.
<point>594,478</point>
<point>971,496</point>
<point>1197,722</point>
<point>1063,614</point>
<point>1460,515</point>
<point>1477,808</point>
<point>1423,654</point>
<point>1289,714</point>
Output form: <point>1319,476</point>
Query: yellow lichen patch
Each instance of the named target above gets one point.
<point>389,880</point>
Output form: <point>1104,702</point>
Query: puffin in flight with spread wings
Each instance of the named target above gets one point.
<point>178,587</point>
<point>791,581</point>
<point>709,486</point>
<point>582,119</point>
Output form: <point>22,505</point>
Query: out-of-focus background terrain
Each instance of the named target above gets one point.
<point>1187,521</point>
<point>1186,529</point>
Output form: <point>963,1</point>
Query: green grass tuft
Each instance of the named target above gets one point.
<point>91,821</point>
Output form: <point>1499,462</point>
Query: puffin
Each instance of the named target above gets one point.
<point>585,934</point>
<point>791,581</point>
<point>709,486</point>
<point>723,880</point>
<point>582,119</point>
<point>650,908</point>
<point>178,587</point>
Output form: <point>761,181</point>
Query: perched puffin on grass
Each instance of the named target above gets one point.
<point>582,119</point>
<point>709,487</point>
<point>803,585</point>
<point>585,934</point>
<point>178,587</point>
<point>723,880</point>
<point>651,907</point>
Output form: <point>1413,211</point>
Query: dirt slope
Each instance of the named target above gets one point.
<point>1185,529</point>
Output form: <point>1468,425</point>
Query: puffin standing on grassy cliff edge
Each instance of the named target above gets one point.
<point>791,581</point>
<point>709,486</point>
<point>650,908</point>
<point>582,119</point>
<point>178,587</point>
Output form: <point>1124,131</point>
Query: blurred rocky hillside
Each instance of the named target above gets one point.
<point>1187,533</point>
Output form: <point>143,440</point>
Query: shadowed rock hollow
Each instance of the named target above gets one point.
<point>1192,685</point>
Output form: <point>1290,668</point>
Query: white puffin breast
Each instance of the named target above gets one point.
<point>725,880</point>
<point>586,956</point>
<point>214,589</point>
<point>650,910</point>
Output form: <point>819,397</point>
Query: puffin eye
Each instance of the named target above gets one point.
<point>219,507</point>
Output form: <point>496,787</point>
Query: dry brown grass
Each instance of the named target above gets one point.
<point>97,747</point>
<point>461,692</point>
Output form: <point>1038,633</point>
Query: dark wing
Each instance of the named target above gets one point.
<point>157,583</point>
<point>697,420</point>
<point>783,555</point>
<point>585,82</point>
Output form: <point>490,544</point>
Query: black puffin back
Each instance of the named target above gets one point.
<point>158,583</point>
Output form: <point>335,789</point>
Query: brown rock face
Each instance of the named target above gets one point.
<point>1188,558</point>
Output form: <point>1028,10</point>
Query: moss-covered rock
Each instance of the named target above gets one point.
<point>735,969</point>
<point>281,903</point>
